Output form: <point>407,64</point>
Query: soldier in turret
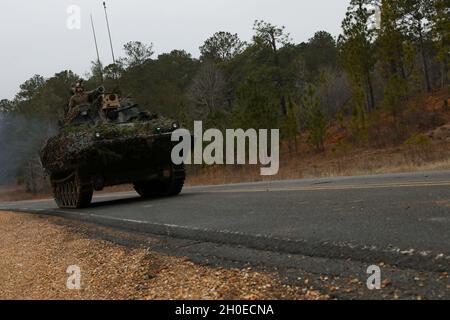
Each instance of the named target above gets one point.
<point>79,97</point>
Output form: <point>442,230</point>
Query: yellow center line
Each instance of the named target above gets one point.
<point>341,187</point>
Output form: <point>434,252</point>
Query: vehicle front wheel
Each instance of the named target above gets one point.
<point>71,193</point>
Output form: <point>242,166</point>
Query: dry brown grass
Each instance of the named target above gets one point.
<point>335,163</point>
<point>36,253</point>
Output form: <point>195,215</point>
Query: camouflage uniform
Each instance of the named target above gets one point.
<point>78,99</point>
<point>75,101</point>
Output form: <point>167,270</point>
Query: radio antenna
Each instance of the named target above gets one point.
<point>109,33</point>
<point>96,49</point>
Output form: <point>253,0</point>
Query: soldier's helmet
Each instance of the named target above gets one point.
<point>78,88</point>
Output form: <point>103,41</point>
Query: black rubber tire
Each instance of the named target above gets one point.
<point>163,188</point>
<point>176,183</point>
<point>149,189</point>
<point>72,193</point>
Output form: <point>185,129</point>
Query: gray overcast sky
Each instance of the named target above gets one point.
<point>35,39</point>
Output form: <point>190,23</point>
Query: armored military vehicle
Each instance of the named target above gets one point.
<point>111,142</point>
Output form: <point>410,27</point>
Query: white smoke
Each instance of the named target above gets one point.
<point>20,141</point>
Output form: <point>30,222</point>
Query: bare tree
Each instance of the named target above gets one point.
<point>208,88</point>
<point>333,90</point>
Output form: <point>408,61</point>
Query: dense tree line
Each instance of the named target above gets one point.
<point>389,50</point>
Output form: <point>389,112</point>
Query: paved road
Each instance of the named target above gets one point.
<point>402,219</point>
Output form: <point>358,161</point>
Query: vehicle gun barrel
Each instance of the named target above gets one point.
<point>95,94</point>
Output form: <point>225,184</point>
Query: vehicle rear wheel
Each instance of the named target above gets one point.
<point>71,192</point>
<point>176,183</point>
<point>164,187</point>
<point>148,189</point>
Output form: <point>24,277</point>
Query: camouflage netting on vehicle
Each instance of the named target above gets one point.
<point>102,143</point>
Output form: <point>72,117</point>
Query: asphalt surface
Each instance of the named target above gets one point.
<point>401,220</point>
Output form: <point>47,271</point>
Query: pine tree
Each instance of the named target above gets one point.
<point>274,38</point>
<point>357,48</point>
<point>255,107</point>
<point>290,127</point>
<point>440,28</point>
<point>396,55</point>
<point>415,20</point>
<point>390,40</point>
<point>314,118</point>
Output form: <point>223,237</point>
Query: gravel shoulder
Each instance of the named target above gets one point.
<point>36,251</point>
